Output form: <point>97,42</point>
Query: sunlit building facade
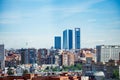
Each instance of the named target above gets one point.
<point>68,39</point>
<point>107,52</point>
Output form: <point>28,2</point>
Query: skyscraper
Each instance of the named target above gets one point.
<point>57,42</point>
<point>67,39</point>
<point>2,57</point>
<point>77,38</point>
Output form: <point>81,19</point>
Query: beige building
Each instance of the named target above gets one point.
<point>68,58</point>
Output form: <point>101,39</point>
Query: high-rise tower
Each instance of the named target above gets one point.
<point>77,38</point>
<point>57,42</point>
<point>67,39</point>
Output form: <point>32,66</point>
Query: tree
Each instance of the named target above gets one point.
<point>116,74</point>
<point>47,68</point>
<point>10,71</point>
<point>25,71</point>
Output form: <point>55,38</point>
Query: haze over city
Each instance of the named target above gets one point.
<point>36,22</point>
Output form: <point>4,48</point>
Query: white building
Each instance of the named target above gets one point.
<point>2,57</point>
<point>107,52</point>
<point>99,75</point>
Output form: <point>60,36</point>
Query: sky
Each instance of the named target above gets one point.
<point>35,23</point>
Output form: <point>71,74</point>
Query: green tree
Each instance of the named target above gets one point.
<point>72,67</point>
<point>79,66</point>
<point>10,71</point>
<point>25,71</point>
<point>116,74</point>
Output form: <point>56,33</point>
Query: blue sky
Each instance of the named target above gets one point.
<point>38,21</point>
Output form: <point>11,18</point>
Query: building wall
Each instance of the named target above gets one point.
<point>32,55</point>
<point>68,58</point>
<point>2,56</point>
<point>28,56</point>
<point>42,56</point>
<point>71,59</point>
<point>24,56</point>
<point>107,52</point>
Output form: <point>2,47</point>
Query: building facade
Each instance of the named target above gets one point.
<point>24,56</point>
<point>2,57</point>
<point>28,56</point>
<point>67,58</point>
<point>32,55</point>
<point>42,56</point>
<point>57,42</point>
<point>107,52</point>
<point>77,38</point>
<point>67,39</point>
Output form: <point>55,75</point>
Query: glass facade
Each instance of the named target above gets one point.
<point>57,42</point>
<point>77,38</point>
<point>70,45</point>
<point>67,39</point>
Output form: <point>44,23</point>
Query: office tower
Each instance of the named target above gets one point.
<point>67,39</point>
<point>77,38</point>
<point>107,52</point>
<point>57,42</point>
<point>2,57</point>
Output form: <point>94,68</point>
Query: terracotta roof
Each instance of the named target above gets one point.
<point>89,55</point>
<point>9,58</point>
<point>13,56</point>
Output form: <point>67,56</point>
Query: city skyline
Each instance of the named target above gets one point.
<point>34,23</point>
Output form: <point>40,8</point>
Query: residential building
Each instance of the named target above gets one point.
<point>77,38</point>
<point>28,56</point>
<point>12,60</point>
<point>107,52</point>
<point>67,58</point>
<point>57,42</point>
<point>42,56</point>
<point>24,56</point>
<point>32,55</point>
<point>67,39</point>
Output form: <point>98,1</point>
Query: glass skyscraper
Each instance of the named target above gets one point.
<point>77,38</point>
<point>57,42</point>
<point>67,39</point>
